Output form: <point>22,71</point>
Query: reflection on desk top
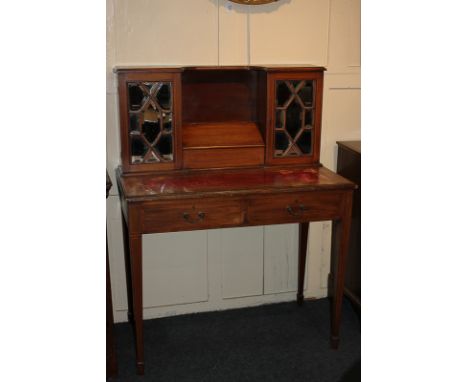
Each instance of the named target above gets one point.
<point>150,186</point>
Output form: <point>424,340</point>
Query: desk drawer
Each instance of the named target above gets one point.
<point>294,207</point>
<point>192,214</point>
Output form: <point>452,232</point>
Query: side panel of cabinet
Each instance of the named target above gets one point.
<point>150,134</point>
<point>294,114</point>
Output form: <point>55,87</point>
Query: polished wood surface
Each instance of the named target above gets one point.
<point>191,214</point>
<point>219,95</point>
<point>184,201</point>
<point>294,207</point>
<point>179,184</point>
<point>225,172</point>
<point>217,134</point>
<point>175,200</point>
<point>228,144</point>
<point>223,157</point>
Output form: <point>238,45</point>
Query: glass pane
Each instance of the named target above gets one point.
<point>305,142</point>
<point>150,114</point>
<point>282,93</point>
<point>308,118</point>
<point>167,120</point>
<point>135,96</point>
<point>164,146</point>
<point>294,118</point>
<point>297,118</point>
<point>134,123</point>
<point>139,149</point>
<point>150,130</point>
<point>306,93</point>
<point>295,83</point>
<point>150,105</point>
<point>164,97</point>
<point>281,141</point>
<point>280,119</point>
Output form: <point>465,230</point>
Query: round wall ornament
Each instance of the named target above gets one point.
<point>253,2</point>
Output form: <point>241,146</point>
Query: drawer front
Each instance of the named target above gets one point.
<point>294,207</point>
<point>193,214</point>
<point>224,157</point>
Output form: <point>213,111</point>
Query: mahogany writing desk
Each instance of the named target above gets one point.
<point>214,147</point>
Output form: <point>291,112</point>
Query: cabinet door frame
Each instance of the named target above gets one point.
<point>174,78</point>
<point>314,158</point>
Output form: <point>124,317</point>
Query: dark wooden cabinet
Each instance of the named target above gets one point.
<point>349,166</point>
<point>212,147</point>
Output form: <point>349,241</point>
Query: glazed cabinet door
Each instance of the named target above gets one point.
<point>149,120</point>
<point>295,111</point>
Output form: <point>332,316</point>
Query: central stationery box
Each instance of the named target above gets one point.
<point>219,117</point>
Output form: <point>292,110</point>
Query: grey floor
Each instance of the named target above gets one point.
<point>279,342</point>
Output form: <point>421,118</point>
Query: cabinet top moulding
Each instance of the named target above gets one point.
<point>178,69</point>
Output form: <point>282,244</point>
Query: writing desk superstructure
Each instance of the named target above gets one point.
<point>214,147</point>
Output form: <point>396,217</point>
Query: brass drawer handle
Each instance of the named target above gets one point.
<point>187,218</point>
<point>295,213</point>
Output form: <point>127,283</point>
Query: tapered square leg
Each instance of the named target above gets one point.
<point>128,271</point>
<point>111,360</point>
<point>303,235</point>
<point>135,247</point>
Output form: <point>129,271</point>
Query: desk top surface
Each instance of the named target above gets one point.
<point>153,186</point>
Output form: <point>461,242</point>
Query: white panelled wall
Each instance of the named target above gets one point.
<point>227,268</point>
